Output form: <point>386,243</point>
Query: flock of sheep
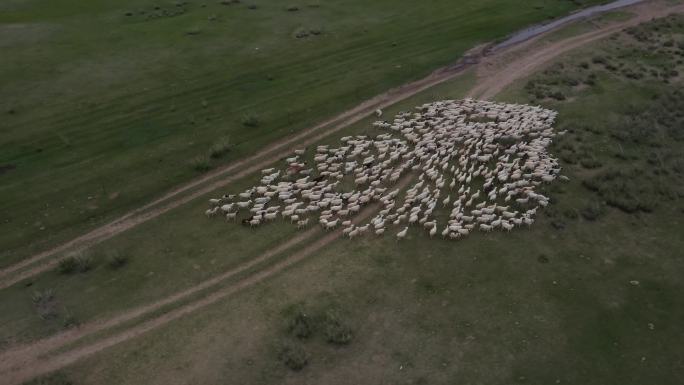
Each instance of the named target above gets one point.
<point>475,165</point>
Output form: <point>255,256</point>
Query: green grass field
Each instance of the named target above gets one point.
<point>106,105</point>
<point>590,294</point>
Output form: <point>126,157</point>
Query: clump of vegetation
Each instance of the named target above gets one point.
<point>57,378</point>
<point>590,162</point>
<point>117,261</point>
<point>293,356</point>
<point>336,332</point>
<point>70,320</point>
<point>75,263</point>
<point>193,31</point>
<point>201,163</point>
<point>251,119</point>
<point>593,211</point>
<point>45,304</point>
<point>622,189</point>
<point>301,33</point>
<point>292,8</point>
<point>220,148</point>
<point>301,325</point>
<point>557,95</point>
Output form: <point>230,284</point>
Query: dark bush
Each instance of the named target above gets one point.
<point>590,163</point>
<point>250,120</point>
<point>45,304</point>
<point>201,163</point>
<point>301,325</point>
<point>570,213</point>
<point>593,211</point>
<point>78,263</point>
<point>220,148</point>
<point>70,320</point>
<point>558,95</point>
<point>568,156</point>
<point>623,190</point>
<point>68,265</point>
<point>51,379</point>
<point>336,332</point>
<point>117,261</point>
<point>293,356</point>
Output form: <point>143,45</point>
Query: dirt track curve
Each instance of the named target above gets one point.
<point>20,363</point>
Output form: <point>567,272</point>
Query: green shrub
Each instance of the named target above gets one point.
<point>76,263</point>
<point>220,148</point>
<point>598,60</point>
<point>250,120</point>
<point>201,163</point>
<point>301,325</point>
<point>293,356</point>
<point>70,320</point>
<point>117,261</point>
<point>67,265</point>
<point>590,163</point>
<point>593,211</point>
<point>45,304</point>
<point>336,332</point>
<point>57,378</point>
<point>557,95</point>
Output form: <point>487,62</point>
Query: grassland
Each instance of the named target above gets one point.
<point>107,104</point>
<point>589,295</point>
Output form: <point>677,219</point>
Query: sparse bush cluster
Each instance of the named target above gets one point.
<point>302,326</point>
<point>625,190</point>
<point>203,163</point>
<point>653,51</point>
<point>45,304</point>
<point>336,332</point>
<point>75,263</point>
<point>250,119</point>
<point>117,261</point>
<point>293,356</point>
<point>160,12</point>
<point>82,262</point>
<point>57,378</point>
